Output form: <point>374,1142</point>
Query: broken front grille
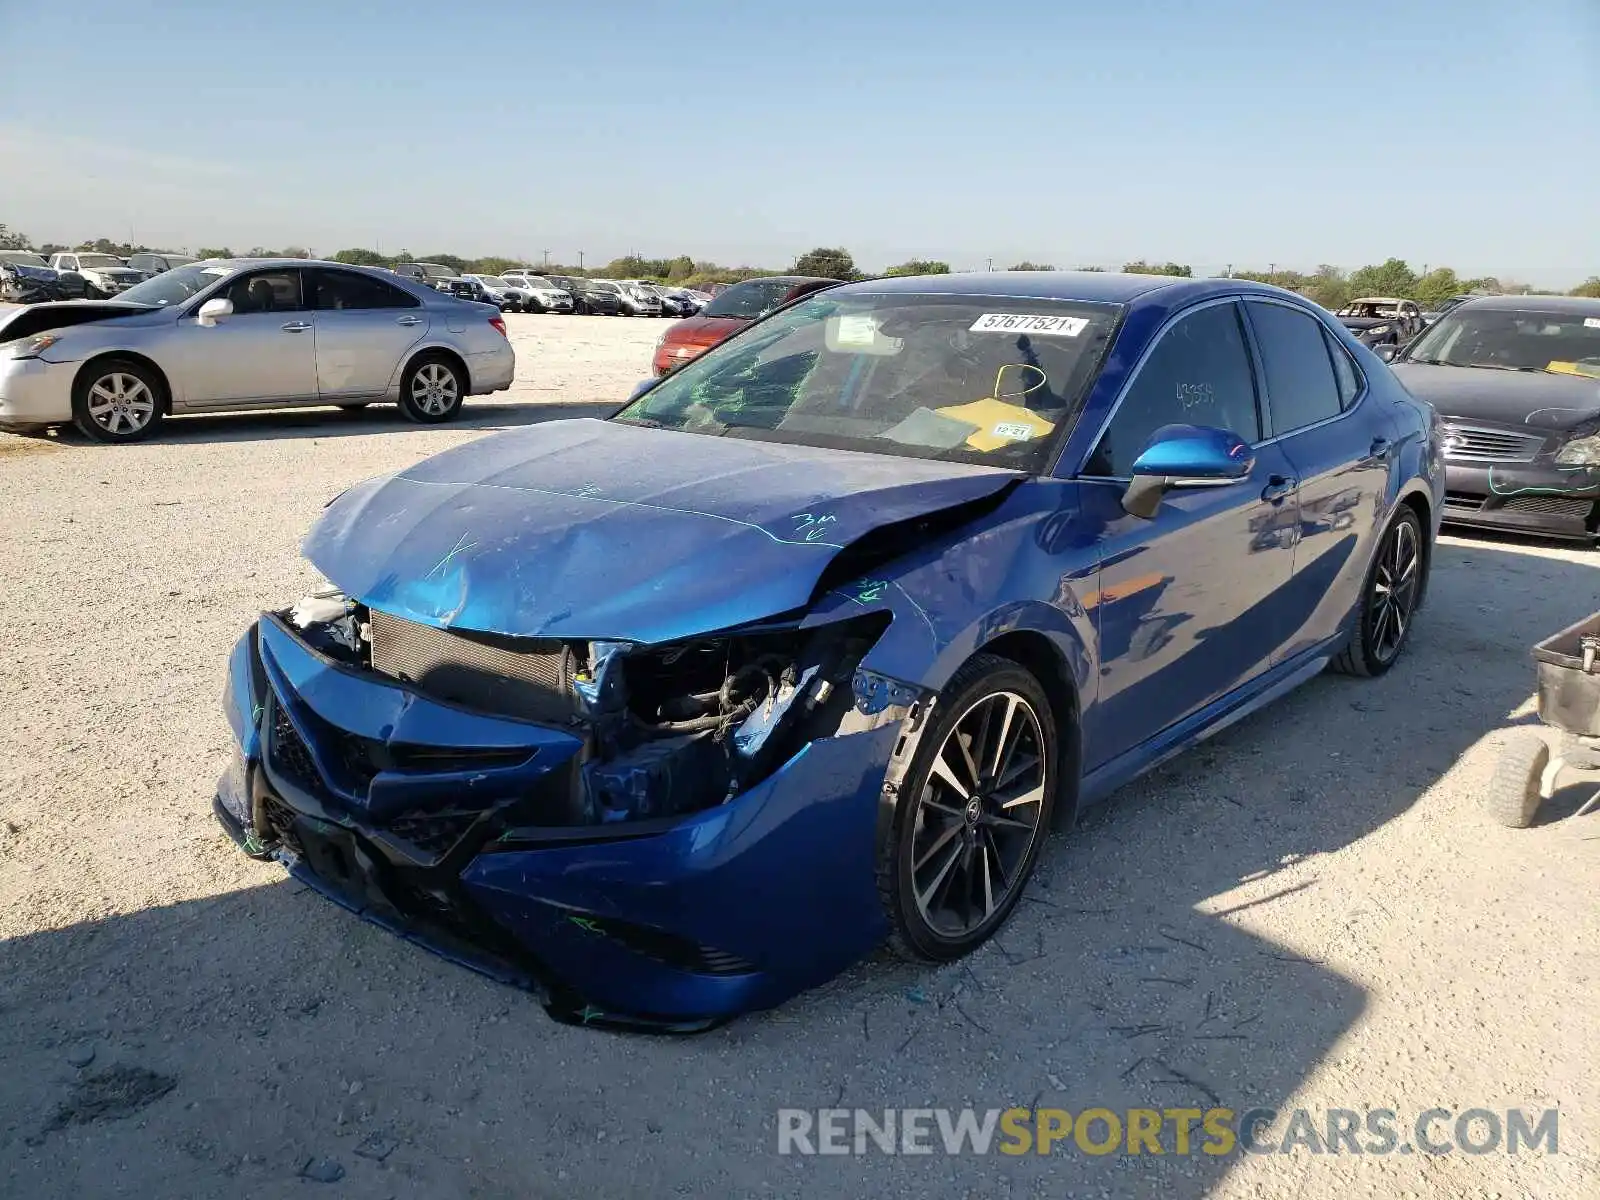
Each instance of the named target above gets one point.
<point>435,834</point>
<point>511,677</point>
<point>1468,443</point>
<point>290,754</point>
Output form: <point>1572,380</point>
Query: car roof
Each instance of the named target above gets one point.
<point>1102,287</point>
<point>1379,300</point>
<point>1587,306</point>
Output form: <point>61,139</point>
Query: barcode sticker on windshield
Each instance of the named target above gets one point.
<point>1591,322</point>
<point>857,329</point>
<point>1026,323</point>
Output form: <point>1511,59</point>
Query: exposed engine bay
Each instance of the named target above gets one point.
<point>667,730</point>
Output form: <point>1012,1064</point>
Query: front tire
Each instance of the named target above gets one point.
<point>432,390</point>
<point>973,813</point>
<point>1389,600</point>
<point>118,400</point>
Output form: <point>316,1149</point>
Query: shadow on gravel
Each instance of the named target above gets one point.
<point>281,424</point>
<point>300,1039</point>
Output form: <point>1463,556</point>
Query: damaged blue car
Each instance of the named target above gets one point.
<point>670,716</point>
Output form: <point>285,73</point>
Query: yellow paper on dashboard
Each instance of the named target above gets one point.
<point>1586,370</point>
<point>999,423</point>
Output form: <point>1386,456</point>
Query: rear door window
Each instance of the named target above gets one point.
<point>1301,386</point>
<point>338,291</point>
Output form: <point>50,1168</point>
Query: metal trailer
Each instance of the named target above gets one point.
<point>1568,666</point>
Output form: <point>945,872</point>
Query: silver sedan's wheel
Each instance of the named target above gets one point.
<point>117,401</point>
<point>432,391</point>
<point>974,811</point>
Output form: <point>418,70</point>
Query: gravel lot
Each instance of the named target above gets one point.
<point>1307,911</point>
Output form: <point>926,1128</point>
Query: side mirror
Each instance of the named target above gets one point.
<point>1185,456</point>
<point>1387,353</point>
<point>214,311</point>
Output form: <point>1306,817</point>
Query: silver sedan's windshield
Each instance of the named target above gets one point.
<point>93,261</point>
<point>174,287</point>
<point>986,379</point>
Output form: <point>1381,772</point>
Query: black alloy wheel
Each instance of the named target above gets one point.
<point>1389,603</point>
<point>974,812</point>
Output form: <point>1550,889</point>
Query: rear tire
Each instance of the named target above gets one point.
<point>1515,788</point>
<point>1389,599</point>
<point>432,390</point>
<point>1578,754</point>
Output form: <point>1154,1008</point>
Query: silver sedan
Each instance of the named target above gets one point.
<point>231,334</point>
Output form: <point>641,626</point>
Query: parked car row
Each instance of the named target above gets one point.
<point>26,278</point>
<point>524,289</point>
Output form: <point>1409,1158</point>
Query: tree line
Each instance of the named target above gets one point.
<point>1329,286</point>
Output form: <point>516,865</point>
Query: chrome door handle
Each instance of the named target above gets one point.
<point>408,321</point>
<point>296,327</point>
<point>1277,488</point>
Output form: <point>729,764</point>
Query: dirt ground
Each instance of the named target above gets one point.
<point>1308,911</point>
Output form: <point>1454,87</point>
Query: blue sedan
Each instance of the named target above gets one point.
<point>672,715</point>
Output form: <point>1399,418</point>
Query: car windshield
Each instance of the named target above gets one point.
<point>174,287</point>
<point>99,260</point>
<point>173,261</point>
<point>987,380</point>
<point>433,271</point>
<point>1507,339</point>
<point>536,281</point>
<point>607,287</point>
<point>22,258</point>
<point>749,299</point>
<point>1369,309</point>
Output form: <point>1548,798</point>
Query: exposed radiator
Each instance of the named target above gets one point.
<point>522,678</point>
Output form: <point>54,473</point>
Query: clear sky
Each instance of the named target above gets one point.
<point>1462,132</point>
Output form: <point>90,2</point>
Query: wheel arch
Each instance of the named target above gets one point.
<point>1042,658</point>
<point>1416,499</point>
<point>438,350</point>
<point>134,356</point>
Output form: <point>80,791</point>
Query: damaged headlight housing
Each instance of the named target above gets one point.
<point>1580,452</point>
<point>1378,331</point>
<point>33,347</point>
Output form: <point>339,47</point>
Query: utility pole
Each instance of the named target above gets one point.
<point>991,264</point>
<point>580,260</point>
<point>1228,274</point>
<point>546,257</point>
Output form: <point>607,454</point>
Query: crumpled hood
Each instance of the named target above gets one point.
<point>62,314</point>
<point>1533,398</point>
<point>594,529</point>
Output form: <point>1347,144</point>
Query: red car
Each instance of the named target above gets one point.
<point>728,313</point>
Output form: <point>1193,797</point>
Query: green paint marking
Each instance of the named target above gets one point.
<point>587,923</point>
